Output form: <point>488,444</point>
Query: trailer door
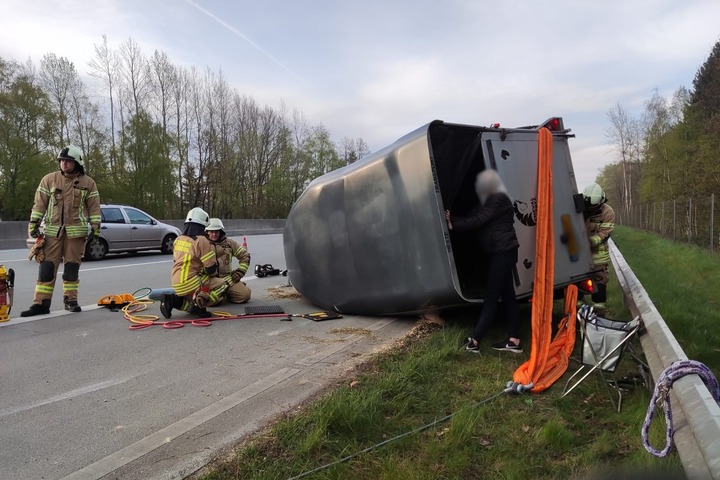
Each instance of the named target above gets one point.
<point>514,154</point>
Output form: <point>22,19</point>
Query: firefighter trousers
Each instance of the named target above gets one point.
<point>59,249</point>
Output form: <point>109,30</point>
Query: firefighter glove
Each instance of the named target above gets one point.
<point>202,299</point>
<point>237,275</point>
<point>93,235</point>
<point>34,229</point>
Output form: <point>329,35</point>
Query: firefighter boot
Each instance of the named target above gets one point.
<point>199,312</point>
<point>168,302</point>
<point>71,305</point>
<point>37,309</point>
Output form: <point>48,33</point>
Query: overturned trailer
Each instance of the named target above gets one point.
<point>371,238</point>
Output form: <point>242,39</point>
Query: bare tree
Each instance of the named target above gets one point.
<point>353,149</point>
<point>61,82</point>
<point>135,75</point>
<point>103,67</point>
<point>624,135</point>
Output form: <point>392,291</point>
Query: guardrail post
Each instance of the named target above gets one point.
<point>696,415</point>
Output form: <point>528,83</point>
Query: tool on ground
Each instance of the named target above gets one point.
<point>7,280</point>
<point>266,270</point>
<point>263,309</point>
<point>318,316</point>
<point>116,301</point>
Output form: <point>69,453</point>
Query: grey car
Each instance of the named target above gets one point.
<point>129,229</point>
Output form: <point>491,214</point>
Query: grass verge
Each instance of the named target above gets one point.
<point>428,410</point>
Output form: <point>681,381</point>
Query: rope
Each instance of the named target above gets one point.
<point>141,321</point>
<point>511,387</point>
<point>661,397</point>
<point>145,294</point>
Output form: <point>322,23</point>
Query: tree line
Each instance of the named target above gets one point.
<point>669,152</point>
<point>158,136</point>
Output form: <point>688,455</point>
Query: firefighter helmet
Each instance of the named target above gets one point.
<point>71,152</point>
<point>594,195</point>
<point>214,224</point>
<point>199,216</point>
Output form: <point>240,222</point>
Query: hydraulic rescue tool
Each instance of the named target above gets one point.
<point>7,279</point>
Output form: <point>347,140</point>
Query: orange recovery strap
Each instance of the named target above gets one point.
<point>548,359</point>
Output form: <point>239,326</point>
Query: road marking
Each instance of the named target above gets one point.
<point>123,266</point>
<point>67,395</point>
<point>142,447</point>
<point>57,313</point>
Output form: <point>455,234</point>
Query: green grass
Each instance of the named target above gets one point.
<point>498,437</point>
<point>682,281</point>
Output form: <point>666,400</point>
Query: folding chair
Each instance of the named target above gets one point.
<point>602,348</point>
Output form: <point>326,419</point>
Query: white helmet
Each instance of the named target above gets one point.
<point>214,224</point>
<point>198,215</point>
<point>73,153</point>
<point>594,195</point>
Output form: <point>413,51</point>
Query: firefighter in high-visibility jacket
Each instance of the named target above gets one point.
<point>599,222</point>
<point>193,271</point>
<point>225,250</point>
<point>69,202</point>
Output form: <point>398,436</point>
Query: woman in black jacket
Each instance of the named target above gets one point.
<point>493,219</point>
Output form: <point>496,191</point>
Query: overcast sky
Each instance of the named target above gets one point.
<point>380,69</point>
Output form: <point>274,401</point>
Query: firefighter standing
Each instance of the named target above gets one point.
<point>599,223</point>
<point>69,201</point>
<point>194,269</point>
<point>225,250</point>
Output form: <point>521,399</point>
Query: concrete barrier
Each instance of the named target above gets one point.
<point>237,227</point>
<point>695,414</point>
<point>14,234</point>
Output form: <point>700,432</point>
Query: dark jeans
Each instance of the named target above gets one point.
<point>499,284</point>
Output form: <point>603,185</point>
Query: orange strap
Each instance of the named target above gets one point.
<point>548,359</point>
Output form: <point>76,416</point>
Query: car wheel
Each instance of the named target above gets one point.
<point>96,250</point>
<point>167,244</point>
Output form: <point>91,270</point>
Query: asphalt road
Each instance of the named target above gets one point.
<point>82,396</point>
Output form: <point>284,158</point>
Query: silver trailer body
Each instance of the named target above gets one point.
<point>371,238</point>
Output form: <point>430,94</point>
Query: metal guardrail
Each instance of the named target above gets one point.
<point>696,415</point>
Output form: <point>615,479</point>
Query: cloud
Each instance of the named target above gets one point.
<point>378,70</point>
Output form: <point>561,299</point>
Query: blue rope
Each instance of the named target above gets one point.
<point>661,397</point>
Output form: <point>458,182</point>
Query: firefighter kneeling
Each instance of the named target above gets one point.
<point>225,250</point>
<point>194,269</point>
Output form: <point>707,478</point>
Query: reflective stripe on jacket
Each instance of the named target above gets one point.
<point>599,228</point>
<point>225,250</point>
<point>71,201</point>
<point>191,256</point>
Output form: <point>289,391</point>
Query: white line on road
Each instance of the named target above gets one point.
<point>57,313</point>
<point>111,267</point>
<point>71,394</point>
<point>161,437</point>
